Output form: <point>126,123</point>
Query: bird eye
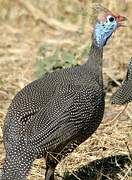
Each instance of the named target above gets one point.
<point>111,19</point>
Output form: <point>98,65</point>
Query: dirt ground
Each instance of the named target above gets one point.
<point>25,27</point>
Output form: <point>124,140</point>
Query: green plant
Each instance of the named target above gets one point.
<point>59,59</point>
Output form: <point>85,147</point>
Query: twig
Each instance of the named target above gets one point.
<point>129,114</point>
<point>11,28</point>
<point>117,116</point>
<point>129,151</point>
<point>59,162</point>
<point>129,170</point>
<point>112,77</point>
<point>60,42</point>
<point>1,132</point>
<point>51,22</point>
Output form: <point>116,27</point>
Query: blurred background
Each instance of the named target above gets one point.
<point>39,36</point>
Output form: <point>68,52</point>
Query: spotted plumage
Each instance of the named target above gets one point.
<point>51,116</point>
<point>124,93</point>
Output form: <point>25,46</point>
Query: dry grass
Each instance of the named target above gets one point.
<point>25,27</point>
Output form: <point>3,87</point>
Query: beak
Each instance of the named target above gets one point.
<point>119,20</point>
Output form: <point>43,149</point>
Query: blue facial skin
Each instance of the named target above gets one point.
<point>103,30</point>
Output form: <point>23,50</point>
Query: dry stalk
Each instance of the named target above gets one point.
<point>129,151</point>
<point>126,174</point>
<point>59,162</point>
<point>112,77</point>
<point>51,22</point>
<point>128,113</point>
<point>117,116</point>
<point>60,42</point>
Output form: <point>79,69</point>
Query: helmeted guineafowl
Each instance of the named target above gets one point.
<point>51,116</point>
<point>123,95</point>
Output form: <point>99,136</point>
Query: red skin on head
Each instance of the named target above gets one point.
<point>103,17</point>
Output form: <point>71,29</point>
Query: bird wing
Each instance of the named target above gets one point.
<point>52,124</point>
<point>124,94</point>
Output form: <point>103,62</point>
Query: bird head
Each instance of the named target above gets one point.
<point>105,25</point>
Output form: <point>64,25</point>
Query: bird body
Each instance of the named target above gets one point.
<point>51,116</point>
<point>123,95</point>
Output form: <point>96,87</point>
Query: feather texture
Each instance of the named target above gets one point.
<point>124,93</point>
<point>51,116</point>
